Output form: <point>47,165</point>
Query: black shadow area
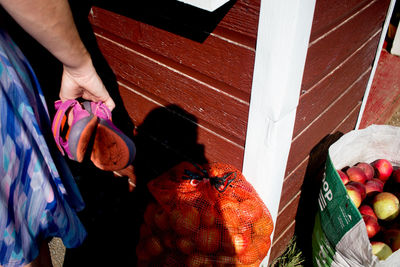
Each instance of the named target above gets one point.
<point>308,204</point>
<point>170,15</point>
<point>113,215</point>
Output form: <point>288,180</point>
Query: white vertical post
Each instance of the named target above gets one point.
<point>282,43</point>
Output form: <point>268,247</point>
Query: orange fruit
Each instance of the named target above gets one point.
<point>223,260</point>
<point>141,252</point>
<point>208,216</point>
<point>186,220</point>
<point>249,255</point>
<point>185,245</point>
<point>229,214</point>
<point>165,197</point>
<point>168,240</point>
<point>263,226</point>
<point>144,231</point>
<point>198,260</point>
<point>208,240</point>
<point>250,210</point>
<point>153,246</point>
<point>149,213</point>
<point>170,259</point>
<point>161,219</point>
<point>262,245</point>
<point>235,243</point>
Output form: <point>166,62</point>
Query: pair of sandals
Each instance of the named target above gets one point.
<point>83,128</point>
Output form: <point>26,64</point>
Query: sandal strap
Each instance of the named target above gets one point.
<point>98,109</point>
<point>61,108</point>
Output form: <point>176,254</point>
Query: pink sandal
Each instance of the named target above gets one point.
<point>73,139</point>
<point>112,149</point>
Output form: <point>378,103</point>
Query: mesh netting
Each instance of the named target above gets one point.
<point>204,216</point>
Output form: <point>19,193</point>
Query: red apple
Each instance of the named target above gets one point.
<point>356,174</point>
<point>367,210</point>
<point>343,176</point>
<point>383,169</point>
<point>354,194</point>
<point>374,186</point>
<point>360,187</point>
<point>386,206</point>
<point>396,175</point>
<point>381,250</point>
<point>392,238</point>
<point>367,168</point>
<point>372,225</point>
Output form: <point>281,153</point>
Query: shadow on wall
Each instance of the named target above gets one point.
<point>170,15</point>
<point>308,205</point>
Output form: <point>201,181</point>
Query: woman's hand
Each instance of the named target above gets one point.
<point>84,82</point>
<point>51,24</point>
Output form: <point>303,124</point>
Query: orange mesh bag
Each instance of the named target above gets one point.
<point>204,216</point>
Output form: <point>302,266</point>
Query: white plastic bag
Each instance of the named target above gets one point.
<point>340,237</point>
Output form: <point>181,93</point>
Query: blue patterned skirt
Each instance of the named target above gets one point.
<point>38,196</point>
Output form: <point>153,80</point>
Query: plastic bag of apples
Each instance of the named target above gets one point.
<point>204,216</point>
<point>358,223</point>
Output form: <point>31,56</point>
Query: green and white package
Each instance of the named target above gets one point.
<point>339,236</point>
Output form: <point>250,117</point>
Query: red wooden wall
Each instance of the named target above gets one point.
<point>344,39</point>
<point>211,81</point>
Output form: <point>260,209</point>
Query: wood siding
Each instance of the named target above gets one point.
<point>211,81</point>
<point>343,43</point>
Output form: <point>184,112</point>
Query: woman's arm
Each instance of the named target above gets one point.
<point>50,22</point>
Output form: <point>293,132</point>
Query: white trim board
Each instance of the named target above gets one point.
<point>209,5</point>
<point>282,43</point>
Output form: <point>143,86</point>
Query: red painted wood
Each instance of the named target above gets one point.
<point>327,53</point>
<point>330,13</point>
<point>284,234</point>
<point>215,57</point>
<point>384,95</point>
<point>216,148</point>
<point>320,96</point>
<point>243,17</point>
<point>295,178</point>
<point>178,85</point>
<point>333,116</point>
<point>280,243</point>
<point>293,183</point>
<point>286,216</point>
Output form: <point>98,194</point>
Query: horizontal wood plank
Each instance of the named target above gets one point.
<point>325,54</point>
<point>176,86</point>
<point>330,13</point>
<point>321,95</point>
<point>221,59</point>
<point>243,17</point>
